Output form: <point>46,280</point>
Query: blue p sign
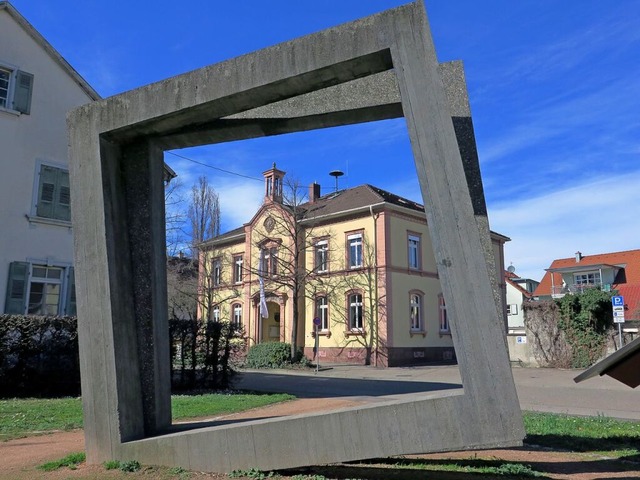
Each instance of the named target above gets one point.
<point>617,300</point>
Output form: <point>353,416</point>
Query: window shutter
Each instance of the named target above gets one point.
<point>23,91</point>
<point>46,191</point>
<point>70,304</point>
<point>17,288</point>
<point>62,206</point>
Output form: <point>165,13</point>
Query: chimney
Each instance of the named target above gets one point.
<point>578,257</point>
<point>314,192</point>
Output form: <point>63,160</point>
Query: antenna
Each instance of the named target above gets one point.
<point>336,174</point>
<point>511,268</point>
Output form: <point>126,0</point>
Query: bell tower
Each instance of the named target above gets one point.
<point>273,184</point>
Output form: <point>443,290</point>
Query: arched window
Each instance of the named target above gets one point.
<point>355,311</point>
<point>322,312</point>
<point>416,312</point>
<point>444,320</point>
<point>237,314</point>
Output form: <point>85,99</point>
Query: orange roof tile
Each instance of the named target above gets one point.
<point>628,283</point>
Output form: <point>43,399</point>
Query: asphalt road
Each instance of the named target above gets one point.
<point>545,390</point>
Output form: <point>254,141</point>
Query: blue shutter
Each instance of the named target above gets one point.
<point>16,300</point>
<point>23,92</point>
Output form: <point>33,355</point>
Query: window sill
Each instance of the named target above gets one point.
<point>413,333</point>
<point>355,333</point>
<point>321,333</point>
<point>48,221</point>
<point>9,111</point>
<point>445,333</point>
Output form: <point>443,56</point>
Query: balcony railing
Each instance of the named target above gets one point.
<point>576,288</point>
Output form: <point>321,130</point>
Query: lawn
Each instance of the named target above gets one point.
<point>24,417</point>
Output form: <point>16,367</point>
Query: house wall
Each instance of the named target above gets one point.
<point>515,297</point>
<point>406,346</point>
<point>27,140</point>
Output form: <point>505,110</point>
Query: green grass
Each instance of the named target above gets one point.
<point>71,461</point>
<point>193,406</point>
<point>24,417</point>
<point>19,417</point>
<point>583,434</point>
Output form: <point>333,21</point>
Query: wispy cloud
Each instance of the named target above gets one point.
<point>592,217</point>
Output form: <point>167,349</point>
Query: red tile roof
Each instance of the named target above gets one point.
<point>628,284</point>
<point>509,276</point>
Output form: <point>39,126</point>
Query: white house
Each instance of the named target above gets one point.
<point>37,88</point>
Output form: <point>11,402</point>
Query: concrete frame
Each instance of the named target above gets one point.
<point>379,67</point>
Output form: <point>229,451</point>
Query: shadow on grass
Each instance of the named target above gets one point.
<point>583,444</point>
<point>422,468</point>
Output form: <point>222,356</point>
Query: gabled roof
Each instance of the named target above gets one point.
<point>626,282</point>
<point>46,46</point>
<point>343,202</point>
<point>356,198</point>
<point>509,278</point>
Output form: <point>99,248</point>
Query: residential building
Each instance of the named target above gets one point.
<point>37,88</point>
<point>519,290</point>
<point>355,267</point>
<point>615,271</point>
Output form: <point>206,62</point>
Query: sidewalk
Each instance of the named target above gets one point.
<point>539,389</point>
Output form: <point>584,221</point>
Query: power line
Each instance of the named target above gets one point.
<point>215,168</point>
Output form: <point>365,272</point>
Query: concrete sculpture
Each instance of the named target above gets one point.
<point>379,67</point>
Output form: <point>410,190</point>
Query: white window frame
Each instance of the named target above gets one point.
<point>413,251</point>
<point>443,315</point>
<point>215,314</point>
<point>322,312</point>
<point>415,312</point>
<point>583,278</point>
<point>237,268</point>
<point>321,256</point>
<point>355,247</point>
<point>236,309</point>
<point>356,311</point>
<point>15,75</point>
<point>216,273</point>
<point>63,282</point>
<point>10,86</point>
<point>512,309</point>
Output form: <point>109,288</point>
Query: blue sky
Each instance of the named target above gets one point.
<point>554,90</point>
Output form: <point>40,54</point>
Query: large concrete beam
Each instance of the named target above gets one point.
<point>115,160</point>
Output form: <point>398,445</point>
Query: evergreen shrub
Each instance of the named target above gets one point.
<point>269,355</point>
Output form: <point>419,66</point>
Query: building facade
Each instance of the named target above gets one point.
<point>349,276</point>
<point>37,88</point>
<point>614,271</point>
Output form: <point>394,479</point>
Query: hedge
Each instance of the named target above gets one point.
<point>39,355</point>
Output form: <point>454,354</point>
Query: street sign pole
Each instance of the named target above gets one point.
<point>316,329</point>
<point>617,303</point>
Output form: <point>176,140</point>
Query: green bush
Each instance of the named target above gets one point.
<point>39,356</point>
<point>269,355</point>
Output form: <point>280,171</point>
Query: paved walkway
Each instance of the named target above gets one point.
<point>539,389</point>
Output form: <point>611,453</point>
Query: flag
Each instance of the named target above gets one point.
<point>264,312</point>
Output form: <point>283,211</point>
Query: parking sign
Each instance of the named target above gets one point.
<point>617,301</point>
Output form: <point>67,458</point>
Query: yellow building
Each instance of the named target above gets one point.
<point>355,268</point>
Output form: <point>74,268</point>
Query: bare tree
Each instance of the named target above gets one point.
<point>175,217</point>
<point>203,214</point>
<point>365,306</point>
<point>284,249</point>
